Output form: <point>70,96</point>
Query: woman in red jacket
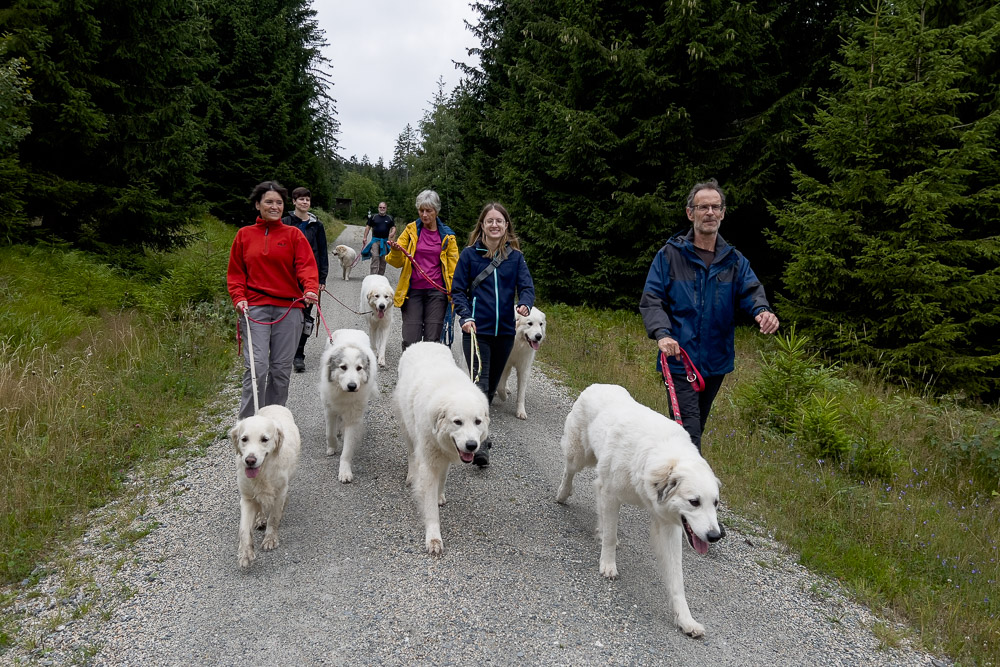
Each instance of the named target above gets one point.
<point>270,266</point>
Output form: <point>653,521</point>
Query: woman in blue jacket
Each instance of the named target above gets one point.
<point>490,278</point>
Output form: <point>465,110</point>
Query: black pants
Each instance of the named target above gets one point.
<point>493,352</point>
<point>695,405</point>
<point>423,316</point>
<point>307,327</point>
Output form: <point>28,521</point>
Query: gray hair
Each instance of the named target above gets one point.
<point>710,184</point>
<point>429,199</point>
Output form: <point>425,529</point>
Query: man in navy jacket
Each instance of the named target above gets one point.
<point>695,286</point>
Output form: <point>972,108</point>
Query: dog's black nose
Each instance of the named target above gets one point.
<point>352,386</point>
<point>716,535</point>
<point>250,460</point>
<point>470,445</point>
<point>538,336</point>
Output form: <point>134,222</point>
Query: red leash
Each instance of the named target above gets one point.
<point>239,335</point>
<point>393,244</point>
<point>693,376</point>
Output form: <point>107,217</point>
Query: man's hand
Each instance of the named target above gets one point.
<point>669,347</point>
<point>322,287</point>
<point>768,322</point>
<point>310,297</point>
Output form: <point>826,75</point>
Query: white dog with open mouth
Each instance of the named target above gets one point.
<point>528,337</point>
<point>645,459</point>
<point>376,302</point>
<point>444,418</point>
<point>347,381</point>
<point>267,453</point>
<point>346,255</point>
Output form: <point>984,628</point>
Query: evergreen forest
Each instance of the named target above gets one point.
<point>856,142</point>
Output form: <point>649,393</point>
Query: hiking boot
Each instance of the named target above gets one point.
<point>299,364</point>
<point>482,456</point>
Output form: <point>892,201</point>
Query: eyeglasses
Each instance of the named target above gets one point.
<point>705,208</point>
<point>495,221</point>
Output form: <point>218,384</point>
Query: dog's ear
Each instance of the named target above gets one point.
<point>665,480</point>
<point>234,436</point>
<point>439,419</point>
<point>279,437</point>
<point>331,364</point>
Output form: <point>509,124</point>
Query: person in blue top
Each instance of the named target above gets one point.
<point>490,278</point>
<point>695,286</point>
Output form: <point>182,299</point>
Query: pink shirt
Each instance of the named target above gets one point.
<point>428,258</point>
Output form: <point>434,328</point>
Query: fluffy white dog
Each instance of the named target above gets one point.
<point>346,255</point>
<point>644,459</point>
<point>267,453</point>
<point>376,301</point>
<point>527,339</point>
<point>444,419</point>
<point>347,381</point>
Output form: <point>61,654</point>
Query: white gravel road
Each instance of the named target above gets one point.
<point>351,584</point>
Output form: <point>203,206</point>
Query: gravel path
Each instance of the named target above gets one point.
<point>351,584</point>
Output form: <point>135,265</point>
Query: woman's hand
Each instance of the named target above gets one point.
<point>469,327</point>
<point>242,306</point>
<point>310,297</point>
<point>523,310</point>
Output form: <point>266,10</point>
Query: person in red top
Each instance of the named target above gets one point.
<point>271,264</point>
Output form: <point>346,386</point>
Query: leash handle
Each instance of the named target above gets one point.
<point>474,356</point>
<point>693,376</point>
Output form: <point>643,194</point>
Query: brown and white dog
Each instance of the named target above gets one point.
<point>346,255</point>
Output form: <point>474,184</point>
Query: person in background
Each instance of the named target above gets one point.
<point>382,228</point>
<point>696,285</point>
<point>422,293</point>
<point>271,266</point>
<point>491,276</point>
<point>314,232</point>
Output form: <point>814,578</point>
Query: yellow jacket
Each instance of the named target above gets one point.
<point>408,240</point>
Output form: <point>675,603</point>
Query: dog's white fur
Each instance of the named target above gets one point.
<point>645,459</point>
<point>347,381</point>
<point>528,337</point>
<point>346,255</point>
<point>444,418</point>
<point>267,443</point>
<point>377,297</point>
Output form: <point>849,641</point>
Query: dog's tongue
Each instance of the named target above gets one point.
<point>252,472</point>
<point>700,545</point>
<point>381,314</point>
<point>466,456</point>
<point>534,344</point>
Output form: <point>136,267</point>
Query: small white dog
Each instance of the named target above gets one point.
<point>346,255</point>
<point>528,337</point>
<point>644,459</point>
<point>377,298</point>
<point>444,418</point>
<point>346,383</point>
<point>267,453</point>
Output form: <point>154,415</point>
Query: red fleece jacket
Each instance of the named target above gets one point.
<point>271,264</point>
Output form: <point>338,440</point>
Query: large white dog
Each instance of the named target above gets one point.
<point>346,255</point>
<point>444,419</point>
<point>376,302</point>
<point>347,380</point>
<point>644,459</point>
<point>527,339</point>
<point>267,453</point>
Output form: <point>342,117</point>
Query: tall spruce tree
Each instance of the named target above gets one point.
<point>14,126</point>
<point>438,163</point>
<point>893,253</point>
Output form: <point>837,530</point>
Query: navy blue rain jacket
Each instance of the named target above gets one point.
<point>492,303</point>
<point>696,305</point>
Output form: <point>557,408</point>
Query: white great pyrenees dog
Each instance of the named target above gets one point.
<point>645,459</point>
<point>346,255</point>
<point>267,453</point>
<point>376,302</point>
<point>444,418</point>
<point>347,381</point>
<point>528,337</point>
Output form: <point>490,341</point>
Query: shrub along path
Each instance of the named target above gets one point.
<point>350,582</point>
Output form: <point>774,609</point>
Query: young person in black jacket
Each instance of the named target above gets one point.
<point>316,234</point>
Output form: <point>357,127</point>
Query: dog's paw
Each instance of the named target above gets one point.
<point>691,627</point>
<point>501,394</point>
<point>260,523</point>
<point>435,546</point>
<point>521,414</point>
<point>346,474</point>
<point>332,448</point>
<point>269,542</point>
<point>246,557</point>
<point>563,494</point>
<point>441,500</point>
<point>381,362</point>
<point>609,570</point>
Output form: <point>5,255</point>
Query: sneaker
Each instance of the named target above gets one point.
<point>299,364</point>
<point>482,456</point>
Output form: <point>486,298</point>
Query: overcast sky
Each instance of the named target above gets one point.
<point>387,56</point>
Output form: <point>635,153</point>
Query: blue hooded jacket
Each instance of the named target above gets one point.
<point>492,304</point>
<point>696,305</point>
